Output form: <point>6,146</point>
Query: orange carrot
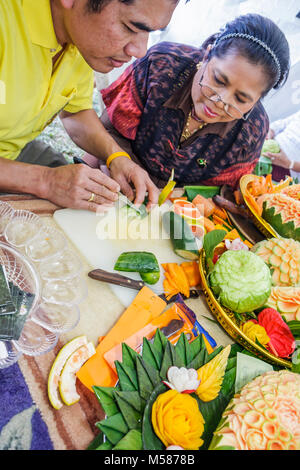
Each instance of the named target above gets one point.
<point>252,202</point>
<point>248,243</point>
<point>218,220</point>
<point>168,290</point>
<point>191,269</point>
<point>269,184</point>
<point>204,205</point>
<point>238,197</point>
<point>208,224</point>
<point>178,278</point>
<point>232,235</point>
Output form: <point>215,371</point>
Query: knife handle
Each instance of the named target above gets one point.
<point>114,278</point>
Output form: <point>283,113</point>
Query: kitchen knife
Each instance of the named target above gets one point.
<point>123,281</point>
<point>127,202</point>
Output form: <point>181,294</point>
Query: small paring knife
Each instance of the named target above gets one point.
<point>127,202</point>
<point>124,281</point>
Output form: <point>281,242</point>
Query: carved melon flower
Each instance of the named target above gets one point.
<point>265,415</point>
<point>183,380</point>
<point>177,420</point>
<point>254,331</point>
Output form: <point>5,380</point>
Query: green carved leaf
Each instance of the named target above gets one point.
<point>105,396</point>
<point>114,427</point>
<point>17,433</point>
<point>127,377</point>
<point>132,417</point>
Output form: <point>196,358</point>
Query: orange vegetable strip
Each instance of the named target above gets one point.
<point>208,224</point>
<point>191,269</point>
<point>219,220</point>
<point>232,235</point>
<point>251,200</point>
<point>204,205</point>
<point>248,243</point>
<point>172,281</point>
<point>238,197</point>
<point>269,183</point>
<point>180,278</point>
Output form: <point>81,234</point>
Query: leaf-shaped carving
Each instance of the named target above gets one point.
<point>17,433</point>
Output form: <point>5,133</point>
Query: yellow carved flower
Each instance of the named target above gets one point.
<point>177,420</point>
<point>255,331</point>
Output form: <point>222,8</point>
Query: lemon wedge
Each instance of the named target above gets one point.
<point>67,382</point>
<point>57,367</point>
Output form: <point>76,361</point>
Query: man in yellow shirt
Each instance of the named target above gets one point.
<point>48,51</point>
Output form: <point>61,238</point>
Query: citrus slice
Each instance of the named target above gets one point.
<point>187,210</point>
<point>57,366</point>
<point>67,383</point>
<point>166,191</point>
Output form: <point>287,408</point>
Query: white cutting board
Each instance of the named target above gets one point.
<point>81,228</point>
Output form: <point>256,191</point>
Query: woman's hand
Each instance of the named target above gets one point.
<point>73,185</point>
<point>279,159</point>
<point>125,172</point>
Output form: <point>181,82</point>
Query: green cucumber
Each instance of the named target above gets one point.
<point>150,278</point>
<point>182,238</point>
<point>137,262</point>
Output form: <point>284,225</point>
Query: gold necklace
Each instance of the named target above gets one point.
<point>186,134</point>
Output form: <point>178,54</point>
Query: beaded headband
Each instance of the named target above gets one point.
<point>258,41</point>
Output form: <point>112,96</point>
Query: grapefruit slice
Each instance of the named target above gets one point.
<point>187,210</point>
<point>57,366</point>
<point>67,383</point>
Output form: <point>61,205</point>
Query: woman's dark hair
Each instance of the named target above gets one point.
<point>276,65</point>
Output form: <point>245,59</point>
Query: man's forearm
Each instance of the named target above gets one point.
<point>87,131</point>
<point>21,177</point>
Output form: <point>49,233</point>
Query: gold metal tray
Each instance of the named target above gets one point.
<point>230,324</point>
<point>266,229</point>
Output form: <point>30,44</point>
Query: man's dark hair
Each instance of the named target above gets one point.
<point>94,6</point>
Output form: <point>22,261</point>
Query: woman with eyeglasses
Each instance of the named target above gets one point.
<point>198,111</point>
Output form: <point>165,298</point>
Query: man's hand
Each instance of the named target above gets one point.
<point>279,159</point>
<point>72,186</point>
<point>125,171</point>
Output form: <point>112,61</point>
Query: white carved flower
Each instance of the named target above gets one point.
<point>183,380</point>
<point>174,448</point>
<point>236,245</point>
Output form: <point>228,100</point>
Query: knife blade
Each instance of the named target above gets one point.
<point>124,281</point>
<point>127,202</point>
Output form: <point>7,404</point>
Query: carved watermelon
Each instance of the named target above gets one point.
<point>292,191</point>
<point>282,212</point>
<point>264,415</point>
<point>282,255</point>
<point>286,300</point>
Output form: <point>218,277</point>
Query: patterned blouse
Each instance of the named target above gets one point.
<point>149,105</point>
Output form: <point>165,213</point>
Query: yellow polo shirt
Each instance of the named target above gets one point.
<point>32,92</point>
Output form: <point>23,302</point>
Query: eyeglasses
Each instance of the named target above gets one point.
<point>229,109</point>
